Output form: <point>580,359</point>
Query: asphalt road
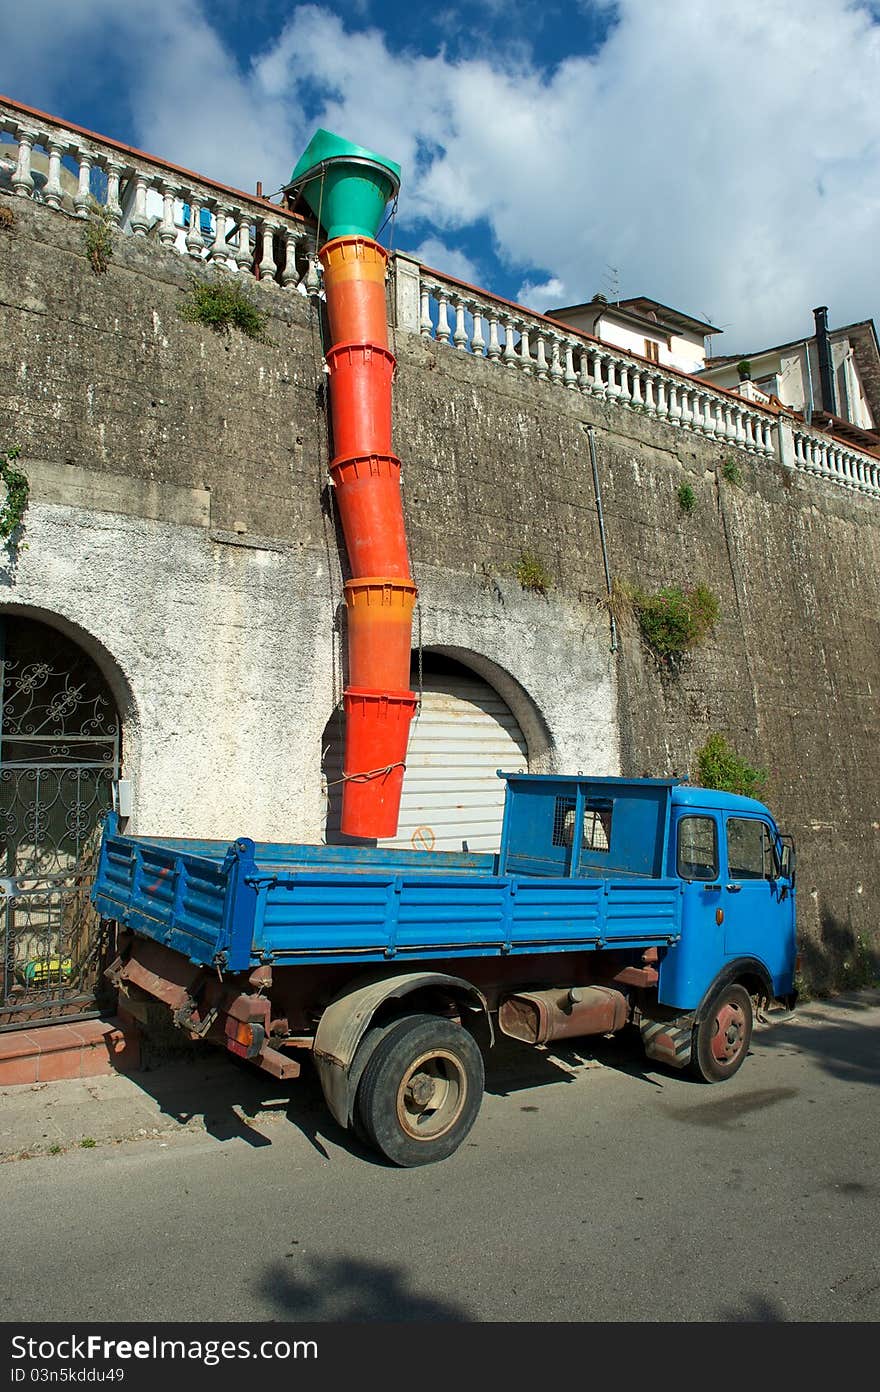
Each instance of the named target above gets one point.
<point>592,1188</point>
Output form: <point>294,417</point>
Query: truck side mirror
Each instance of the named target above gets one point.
<point>786,863</point>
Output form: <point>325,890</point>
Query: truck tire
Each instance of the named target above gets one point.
<point>722,1038</point>
<point>421,1090</point>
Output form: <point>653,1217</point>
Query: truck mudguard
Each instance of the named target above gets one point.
<point>752,973</point>
<point>347,1019</point>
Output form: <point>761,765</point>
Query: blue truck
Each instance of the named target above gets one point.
<point>611,903</point>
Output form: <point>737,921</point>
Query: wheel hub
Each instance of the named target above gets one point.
<point>730,1026</point>
<point>431,1095</point>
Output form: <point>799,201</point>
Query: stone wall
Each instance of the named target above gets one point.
<point>179,526</point>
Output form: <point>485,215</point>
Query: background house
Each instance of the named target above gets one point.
<point>832,377</point>
<point>644,326</point>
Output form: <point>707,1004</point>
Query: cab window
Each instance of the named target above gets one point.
<point>697,848</point>
<point>750,852</point>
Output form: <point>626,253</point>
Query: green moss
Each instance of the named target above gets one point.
<point>719,766</point>
<point>221,305</point>
<point>673,620</point>
<point>687,498</point>
<point>532,574</point>
<point>98,238</point>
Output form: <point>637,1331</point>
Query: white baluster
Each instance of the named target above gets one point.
<point>740,428</point>
<point>569,377</point>
<point>114,207</point>
<point>624,393</point>
<point>426,327</point>
<point>709,425</point>
<point>459,337</point>
<point>268,265</point>
<point>509,354</point>
<point>195,242</point>
<point>650,403</point>
<point>612,389</point>
<point>243,254</point>
<point>729,427</point>
<point>750,433</point>
<point>585,375</point>
<point>638,399</point>
<point>767,427</point>
<point>218,251</point>
<point>167,229</point>
<point>541,358</point>
<point>82,201</point>
<point>312,280</point>
<point>290,275</point>
<point>478,343</point>
<point>442,334</point>
<point>494,349</point>
<point>525,353</point>
<point>22,178</point>
<point>674,407</point>
<point>600,385</point>
<point>662,401</point>
<point>556,373</point>
<point>139,221</point>
<point>53,192</point>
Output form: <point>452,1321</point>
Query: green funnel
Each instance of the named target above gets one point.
<point>346,186</point>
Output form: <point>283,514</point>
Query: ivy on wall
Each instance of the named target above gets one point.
<point>17,492</point>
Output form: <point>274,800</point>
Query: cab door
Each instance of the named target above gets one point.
<point>757,900</point>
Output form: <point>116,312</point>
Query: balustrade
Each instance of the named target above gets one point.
<point>536,347</point>
<point>147,199</point>
<point>71,171</point>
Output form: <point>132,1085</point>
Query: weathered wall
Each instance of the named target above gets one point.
<point>177,518</point>
<point>179,528</point>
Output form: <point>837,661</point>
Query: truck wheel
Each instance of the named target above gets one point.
<point>421,1090</point>
<point>722,1038</point>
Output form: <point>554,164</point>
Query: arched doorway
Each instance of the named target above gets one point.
<point>59,756</point>
<point>452,798</point>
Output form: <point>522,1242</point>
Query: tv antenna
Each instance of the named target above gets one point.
<point>612,280</point>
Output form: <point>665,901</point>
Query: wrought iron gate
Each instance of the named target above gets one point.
<point>59,755</point>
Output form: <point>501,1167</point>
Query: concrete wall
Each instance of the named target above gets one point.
<point>179,526</point>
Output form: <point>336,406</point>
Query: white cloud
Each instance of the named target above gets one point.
<point>440,257</point>
<point>725,158</point>
<point>543,296</point>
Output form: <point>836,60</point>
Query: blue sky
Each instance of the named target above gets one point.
<point>723,158</point>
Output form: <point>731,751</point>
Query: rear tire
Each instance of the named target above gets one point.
<point>421,1090</point>
<point>722,1038</point>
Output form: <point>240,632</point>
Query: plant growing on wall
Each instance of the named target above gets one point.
<point>744,369</point>
<point>673,620</point>
<point>532,574</point>
<point>17,492</point>
<point>222,305</point>
<point>687,498</point>
<point>731,472</point>
<point>98,238</point>
<point>719,766</point>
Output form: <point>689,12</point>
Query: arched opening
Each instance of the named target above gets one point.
<point>60,749</point>
<point>465,731</point>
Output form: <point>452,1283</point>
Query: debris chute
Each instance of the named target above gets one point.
<point>348,189</point>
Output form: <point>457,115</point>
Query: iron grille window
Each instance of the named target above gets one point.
<point>595,828</point>
<point>563,821</point>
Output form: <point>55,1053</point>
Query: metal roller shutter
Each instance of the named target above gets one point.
<point>451,795</point>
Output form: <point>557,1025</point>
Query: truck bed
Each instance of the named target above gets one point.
<point>242,904</point>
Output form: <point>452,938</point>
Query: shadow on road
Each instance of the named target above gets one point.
<point>836,1034</point>
<point>325,1288</point>
<point>234,1101</point>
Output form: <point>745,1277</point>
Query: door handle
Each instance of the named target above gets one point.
<point>734,888</point>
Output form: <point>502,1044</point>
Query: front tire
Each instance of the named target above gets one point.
<point>421,1090</point>
<point>722,1038</point>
